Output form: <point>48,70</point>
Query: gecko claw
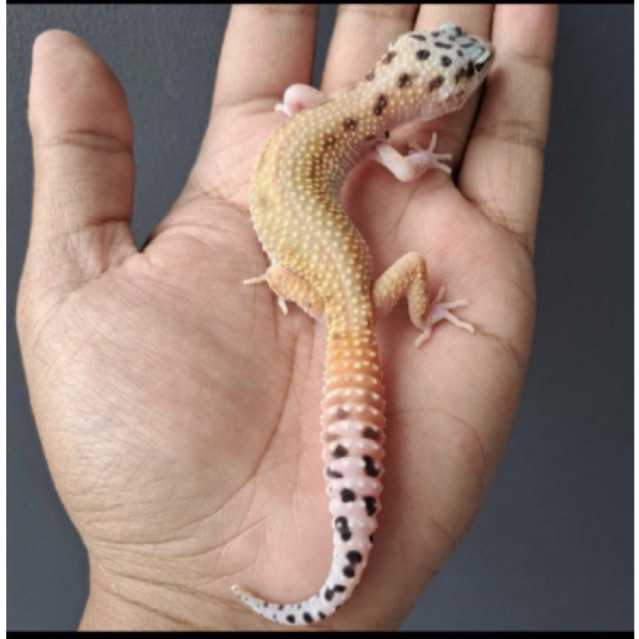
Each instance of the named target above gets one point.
<point>427,157</point>
<point>255,280</point>
<point>441,311</point>
<point>281,302</point>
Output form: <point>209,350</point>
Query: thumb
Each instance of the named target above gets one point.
<point>83,165</point>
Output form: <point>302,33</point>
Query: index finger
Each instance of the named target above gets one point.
<point>266,48</point>
<point>361,34</point>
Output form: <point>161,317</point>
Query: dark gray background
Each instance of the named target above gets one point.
<point>552,547</point>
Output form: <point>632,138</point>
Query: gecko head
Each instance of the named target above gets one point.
<point>446,64</point>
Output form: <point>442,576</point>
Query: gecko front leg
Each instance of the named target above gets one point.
<point>299,97</point>
<point>408,277</point>
<point>405,168</point>
<point>409,167</point>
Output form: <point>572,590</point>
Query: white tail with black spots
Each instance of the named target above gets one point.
<point>353,437</point>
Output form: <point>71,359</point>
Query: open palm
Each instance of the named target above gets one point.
<point>179,410</point>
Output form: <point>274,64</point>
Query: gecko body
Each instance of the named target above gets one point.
<point>320,261</point>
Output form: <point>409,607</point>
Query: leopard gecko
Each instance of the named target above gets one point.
<point>320,261</point>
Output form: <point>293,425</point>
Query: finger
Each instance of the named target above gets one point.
<point>361,34</point>
<point>83,163</point>
<point>503,166</point>
<point>266,48</point>
<point>453,129</point>
<point>474,18</point>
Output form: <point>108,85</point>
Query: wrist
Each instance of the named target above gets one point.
<point>127,603</point>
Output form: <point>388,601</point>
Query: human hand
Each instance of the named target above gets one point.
<point>179,410</point>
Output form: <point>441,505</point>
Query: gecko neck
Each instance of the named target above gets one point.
<point>379,110</point>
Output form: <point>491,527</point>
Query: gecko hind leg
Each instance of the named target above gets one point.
<point>288,286</point>
<point>281,302</point>
<point>408,277</point>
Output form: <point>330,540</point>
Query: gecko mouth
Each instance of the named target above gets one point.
<point>481,55</point>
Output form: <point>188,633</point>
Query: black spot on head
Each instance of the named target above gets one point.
<point>280,607</point>
<point>370,75</point>
<point>423,54</point>
<point>290,618</point>
<point>341,413</point>
<point>461,73</point>
<point>443,45</point>
<point>380,105</point>
<point>350,124</point>
<point>321,615</point>
<point>340,451</point>
<point>354,556</point>
<point>371,505</point>
<point>403,80</point>
<point>339,588</point>
<point>460,53</point>
<point>328,594</point>
<point>349,571</point>
<point>418,36</point>
<point>436,83</point>
<point>435,33</point>
<point>446,61</point>
<point>369,466</point>
<point>479,66</point>
<point>470,70</point>
<point>388,57</point>
<point>308,618</point>
<point>333,474</point>
<point>347,495</point>
<point>371,433</point>
<point>468,45</point>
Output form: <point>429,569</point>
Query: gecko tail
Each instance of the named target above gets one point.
<point>302,613</point>
<point>294,614</point>
<point>353,435</point>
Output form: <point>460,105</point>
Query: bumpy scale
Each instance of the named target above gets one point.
<point>321,262</point>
